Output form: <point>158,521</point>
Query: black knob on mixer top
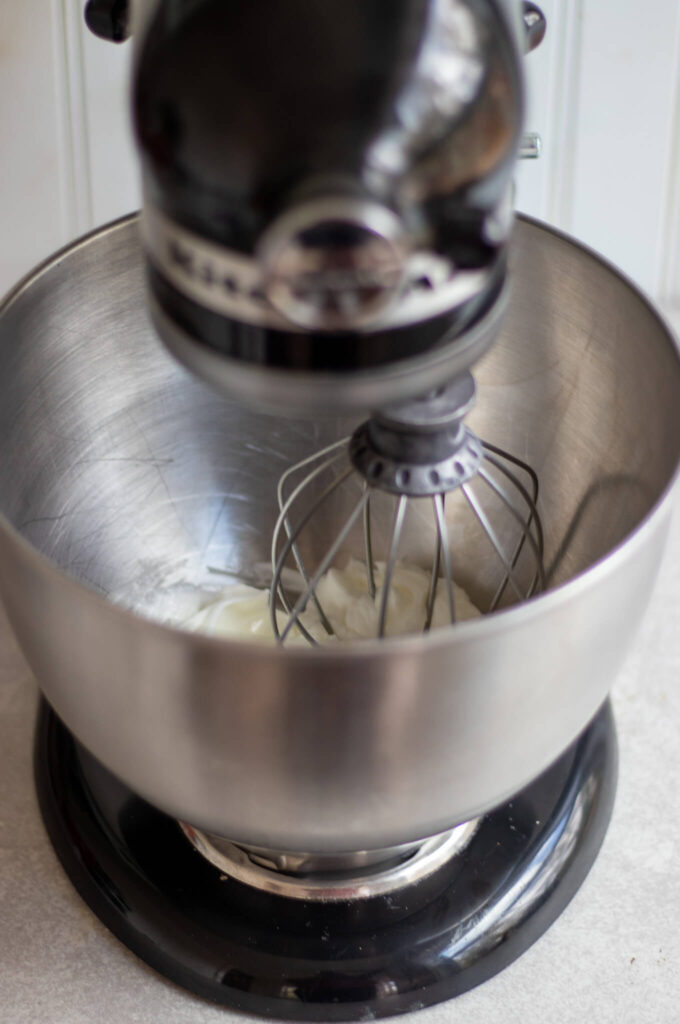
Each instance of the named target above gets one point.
<point>109,19</point>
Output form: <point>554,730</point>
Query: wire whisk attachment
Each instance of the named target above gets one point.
<point>411,488</point>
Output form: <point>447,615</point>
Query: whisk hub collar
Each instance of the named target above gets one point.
<point>417,465</point>
<point>420,448</point>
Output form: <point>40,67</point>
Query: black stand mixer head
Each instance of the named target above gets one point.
<point>327,191</point>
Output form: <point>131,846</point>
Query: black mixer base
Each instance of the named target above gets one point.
<point>285,958</point>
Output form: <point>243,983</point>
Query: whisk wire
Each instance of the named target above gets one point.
<point>399,516</point>
<point>325,563</point>
<point>530,500</point>
<point>527,535</point>
<point>516,461</point>
<point>532,520</point>
<point>434,577</point>
<point>339,448</point>
<point>277,590</point>
<point>488,529</point>
<point>368,545</point>
<point>438,502</point>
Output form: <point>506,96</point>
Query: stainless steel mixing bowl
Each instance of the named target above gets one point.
<point>120,475</point>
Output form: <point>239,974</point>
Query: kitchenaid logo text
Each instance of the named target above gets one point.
<point>305,286</point>
<point>207,272</point>
<point>311,282</point>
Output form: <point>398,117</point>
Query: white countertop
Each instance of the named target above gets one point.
<point>614,955</point>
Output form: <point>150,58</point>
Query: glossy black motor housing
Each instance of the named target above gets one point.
<point>240,107</point>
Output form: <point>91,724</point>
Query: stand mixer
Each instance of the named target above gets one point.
<point>347,830</point>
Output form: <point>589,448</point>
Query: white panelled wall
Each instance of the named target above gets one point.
<point>604,96</point>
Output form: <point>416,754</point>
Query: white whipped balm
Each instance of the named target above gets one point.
<point>242,612</point>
